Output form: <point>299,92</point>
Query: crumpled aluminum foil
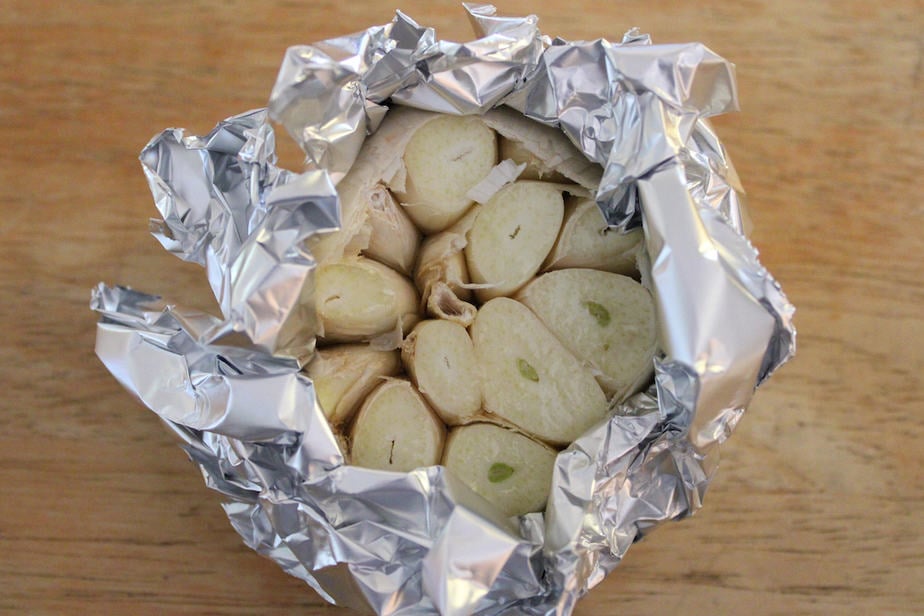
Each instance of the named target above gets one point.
<point>230,387</point>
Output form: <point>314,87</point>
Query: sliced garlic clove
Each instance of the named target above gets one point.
<point>359,299</point>
<point>444,159</point>
<point>508,469</point>
<point>529,378</point>
<point>395,430</point>
<point>343,376</point>
<point>604,319</point>
<point>440,358</point>
<point>586,241</point>
<point>511,237</point>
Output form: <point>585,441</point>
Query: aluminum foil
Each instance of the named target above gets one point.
<point>231,389</point>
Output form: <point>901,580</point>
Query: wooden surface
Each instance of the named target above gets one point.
<point>817,508</point>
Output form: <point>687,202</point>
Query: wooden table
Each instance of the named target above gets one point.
<point>817,505</point>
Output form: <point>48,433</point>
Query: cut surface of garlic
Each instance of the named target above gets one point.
<point>395,430</point>
<point>529,378</point>
<point>343,376</point>
<point>604,319</point>
<point>587,241</point>
<point>444,159</point>
<point>513,362</point>
<point>358,299</point>
<point>511,237</point>
<point>440,358</point>
<point>510,470</point>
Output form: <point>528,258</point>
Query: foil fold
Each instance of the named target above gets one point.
<point>228,207</point>
<point>231,389</point>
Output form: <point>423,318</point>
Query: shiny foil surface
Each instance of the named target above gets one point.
<point>231,389</point>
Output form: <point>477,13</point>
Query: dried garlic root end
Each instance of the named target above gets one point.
<point>358,299</point>
<point>511,237</point>
<point>586,241</point>
<point>450,270</point>
<point>604,319</point>
<point>440,358</point>
<point>343,376</point>
<point>395,430</point>
<point>443,303</point>
<point>444,159</point>
<point>529,378</point>
<point>512,471</point>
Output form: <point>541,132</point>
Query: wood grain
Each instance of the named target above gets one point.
<point>817,505</point>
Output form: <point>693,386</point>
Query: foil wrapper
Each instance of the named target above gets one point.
<point>230,386</point>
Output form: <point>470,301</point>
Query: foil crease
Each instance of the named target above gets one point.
<point>230,387</point>
<point>331,94</point>
<point>228,207</point>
